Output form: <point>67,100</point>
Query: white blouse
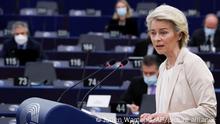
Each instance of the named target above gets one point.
<point>167,75</point>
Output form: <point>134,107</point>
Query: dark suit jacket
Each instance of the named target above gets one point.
<point>31,53</point>
<point>142,47</point>
<point>130,28</point>
<point>198,38</point>
<point>135,91</point>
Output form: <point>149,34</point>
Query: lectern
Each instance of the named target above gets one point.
<point>41,111</point>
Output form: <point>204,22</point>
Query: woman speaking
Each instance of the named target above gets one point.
<point>185,92</point>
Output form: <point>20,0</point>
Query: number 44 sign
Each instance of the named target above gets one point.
<point>119,108</point>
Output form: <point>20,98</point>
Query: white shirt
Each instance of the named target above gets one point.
<point>167,75</point>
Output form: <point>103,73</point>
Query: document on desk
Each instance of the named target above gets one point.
<point>98,101</point>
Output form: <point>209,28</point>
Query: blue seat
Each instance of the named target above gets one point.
<point>39,72</point>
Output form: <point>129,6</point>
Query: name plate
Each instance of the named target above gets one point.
<point>11,61</point>
<point>21,81</point>
<point>75,62</point>
<point>119,108</point>
<point>91,82</point>
<point>205,48</point>
<point>87,47</point>
<point>136,61</point>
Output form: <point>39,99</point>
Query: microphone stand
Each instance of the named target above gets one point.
<point>110,63</point>
<point>124,62</point>
<point>87,93</point>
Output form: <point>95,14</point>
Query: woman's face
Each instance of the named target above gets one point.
<point>164,37</point>
<point>121,9</point>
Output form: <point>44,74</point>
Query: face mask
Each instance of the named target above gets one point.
<point>122,11</point>
<point>209,31</point>
<point>21,39</point>
<point>150,80</point>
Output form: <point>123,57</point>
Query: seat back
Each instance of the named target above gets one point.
<point>47,7</point>
<point>96,41</point>
<point>143,8</point>
<point>51,5</point>
<point>40,72</point>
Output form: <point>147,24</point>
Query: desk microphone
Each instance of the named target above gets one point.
<point>108,64</point>
<point>88,52</point>
<point>122,64</point>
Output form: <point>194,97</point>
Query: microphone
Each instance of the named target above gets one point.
<point>84,70</point>
<point>108,64</point>
<point>122,64</point>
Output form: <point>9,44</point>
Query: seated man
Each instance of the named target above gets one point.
<point>21,46</point>
<point>209,35</point>
<point>143,84</point>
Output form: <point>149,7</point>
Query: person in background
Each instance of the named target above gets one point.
<point>185,93</point>
<point>145,47</point>
<point>20,45</point>
<point>209,34</point>
<point>122,21</point>
<point>142,84</point>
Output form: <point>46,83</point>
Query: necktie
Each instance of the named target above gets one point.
<point>20,46</point>
<point>209,40</point>
<point>152,89</point>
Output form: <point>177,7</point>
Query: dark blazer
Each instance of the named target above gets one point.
<point>31,53</point>
<point>135,91</point>
<point>130,28</point>
<point>142,47</point>
<point>198,38</point>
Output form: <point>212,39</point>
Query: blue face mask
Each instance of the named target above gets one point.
<point>150,80</point>
<point>209,31</point>
<point>122,11</point>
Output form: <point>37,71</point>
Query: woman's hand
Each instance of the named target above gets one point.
<point>156,118</point>
<point>133,108</point>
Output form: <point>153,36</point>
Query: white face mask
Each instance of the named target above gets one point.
<point>122,11</point>
<point>150,80</point>
<point>21,39</point>
<point>209,31</point>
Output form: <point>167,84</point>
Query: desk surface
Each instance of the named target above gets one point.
<point>15,95</point>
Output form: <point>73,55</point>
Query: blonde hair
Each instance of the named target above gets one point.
<point>173,15</point>
<point>129,9</point>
